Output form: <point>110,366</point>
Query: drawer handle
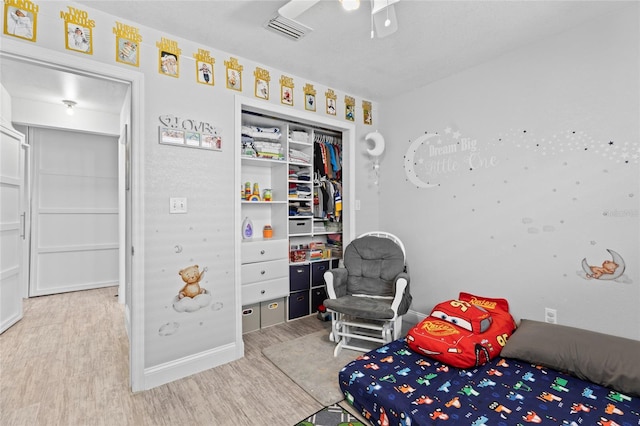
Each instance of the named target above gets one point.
<point>262,272</point>
<point>263,291</point>
<point>261,251</point>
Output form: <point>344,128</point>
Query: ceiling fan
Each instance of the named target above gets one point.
<point>383,17</point>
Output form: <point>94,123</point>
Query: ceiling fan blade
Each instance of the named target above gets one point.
<point>378,5</point>
<point>380,18</point>
<point>295,8</point>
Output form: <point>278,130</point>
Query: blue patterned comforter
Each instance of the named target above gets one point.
<point>393,385</point>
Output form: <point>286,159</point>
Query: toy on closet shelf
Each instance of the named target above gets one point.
<point>252,195</point>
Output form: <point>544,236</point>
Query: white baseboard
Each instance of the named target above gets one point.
<point>410,319</point>
<point>192,364</point>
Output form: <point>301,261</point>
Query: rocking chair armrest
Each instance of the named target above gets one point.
<point>336,280</point>
<point>401,285</point>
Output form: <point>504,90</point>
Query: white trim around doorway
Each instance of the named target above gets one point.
<point>134,308</point>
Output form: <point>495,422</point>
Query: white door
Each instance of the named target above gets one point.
<point>12,226</point>
<point>74,234</point>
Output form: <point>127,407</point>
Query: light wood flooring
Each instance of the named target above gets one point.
<point>66,363</point>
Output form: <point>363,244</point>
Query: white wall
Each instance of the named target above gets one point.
<point>537,164</point>
<point>204,235</point>
<point>5,106</point>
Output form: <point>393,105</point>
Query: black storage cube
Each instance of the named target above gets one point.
<point>317,273</point>
<point>318,295</point>
<point>335,263</point>
<point>298,304</point>
<point>299,277</point>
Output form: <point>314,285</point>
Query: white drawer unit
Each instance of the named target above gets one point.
<point>265,290</point>
<point>260,251</point>
<point>262,271</point>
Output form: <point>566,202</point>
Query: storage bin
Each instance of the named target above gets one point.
<point>272,312</point>
<point>317,273</point>
<point>300,226</point>
<point>250,318</point>
<point>318,295</point>
<point>298,304</point>
<point>299,277</point>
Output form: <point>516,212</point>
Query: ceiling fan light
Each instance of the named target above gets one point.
<point>350,5</point>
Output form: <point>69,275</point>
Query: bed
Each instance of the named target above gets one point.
<point>546,374</point>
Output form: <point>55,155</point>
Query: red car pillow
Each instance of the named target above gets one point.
<point>465,332</point>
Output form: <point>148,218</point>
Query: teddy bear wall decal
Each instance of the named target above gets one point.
<point>191,297</point>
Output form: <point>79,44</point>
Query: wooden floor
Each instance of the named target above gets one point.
<point>66,363</point>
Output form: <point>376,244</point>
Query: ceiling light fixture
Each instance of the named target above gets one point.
<point>350,5</point>
<point>70,105</point>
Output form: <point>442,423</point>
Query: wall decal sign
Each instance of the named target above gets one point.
<point>234,74</point>
<point>262,83</point>
<point>78,30</point>
<point>286,90</point>
<point>20,19</point>
<point>432,156</point>
<point>367,114</point>
<point>187,132</point>
<point>168,57</point>
<point>128,40</point>
<point>309,97</point>
<point>204,67</point>
<point>331,101</point>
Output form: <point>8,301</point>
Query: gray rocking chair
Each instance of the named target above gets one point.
<point>368,297</point>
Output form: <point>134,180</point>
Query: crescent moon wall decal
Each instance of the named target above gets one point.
<point>616,258</point>
<point>378,144</point>
<point>619,270</point>
<point>409,161</point>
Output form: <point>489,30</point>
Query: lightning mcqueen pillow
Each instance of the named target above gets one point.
<point>465,332</point>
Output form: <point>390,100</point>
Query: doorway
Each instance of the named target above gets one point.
<point>54,75</point>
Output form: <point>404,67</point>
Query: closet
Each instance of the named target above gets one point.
<point>292,214</point>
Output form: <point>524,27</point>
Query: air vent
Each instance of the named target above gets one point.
<point>288,27</point>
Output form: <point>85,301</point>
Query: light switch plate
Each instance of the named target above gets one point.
<point>177,205</point>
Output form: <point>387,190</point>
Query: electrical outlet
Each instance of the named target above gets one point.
<point>550,316</point>
<point>357,205</point>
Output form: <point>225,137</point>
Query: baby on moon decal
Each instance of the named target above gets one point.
<point>610,269</point>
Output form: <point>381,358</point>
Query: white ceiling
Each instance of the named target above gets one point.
<point>435,39</point>
<point>44,84</point>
